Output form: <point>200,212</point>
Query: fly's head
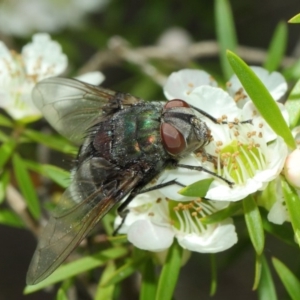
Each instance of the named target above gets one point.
<point>181,131</point>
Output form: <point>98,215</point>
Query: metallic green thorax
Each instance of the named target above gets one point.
<point>132,134</point>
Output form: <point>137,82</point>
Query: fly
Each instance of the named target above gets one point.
<point>125,143</point>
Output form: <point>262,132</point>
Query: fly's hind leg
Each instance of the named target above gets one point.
<point>122,209</point>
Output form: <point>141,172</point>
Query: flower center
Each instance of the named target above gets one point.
<point>185,217</point>
<point>239,161</point>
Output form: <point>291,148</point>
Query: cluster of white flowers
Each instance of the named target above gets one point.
<point>22,18</point>
<point>19,73</point>
<point>248,154</point>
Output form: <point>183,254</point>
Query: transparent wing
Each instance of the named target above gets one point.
<point>72,106</point>
<point>82,205</point>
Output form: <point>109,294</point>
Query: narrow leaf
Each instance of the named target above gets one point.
<point>293,105</point>
<point>6,151</point>
<point>125,271</point>
<point>254,224</point>
<point>170,273</point>
<point>213,267</point>
<point>197,189</point>
<point>289,280</point>
<point>4,180</point>
<point>257,276</point>
<point>4,121</point>
<point>55,142</point>
<point>58,175</point>
<point>149,281</point>
<point>76,267</point>
<point>26,186</point>
<point>295,19</point>
<point>106,293</point>
<point>222,214</point>
<point>9,218</point>
<point>292,201</point>
<point>277,48</point>
<point>261,98</point>
<point>283,232</point>
<point>266,288</point>
<point>226,34</point>
<point>61,295</point>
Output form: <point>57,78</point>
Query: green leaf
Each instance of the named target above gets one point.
<point>55,142</point>
<point>289,280</point>
<point>254,224</point>
<point>292,201</point>
<point>6,151</point>
<point>293,105</point>
<point>226,34</point>
<point>149,281</point>
<point>277,48</point>
<point>58,175</point>
<point>125,271</point>
<point>261,98</point>
<point>9,218</point>
<point>4,181</point>
<point>266,288</point>
<point>106,293</point>
<point>222,214</point>
<point>26,186</point>
<point>4,121</point>
<point>213,265</point>
<point>197,189</point>
<point>283,232</point>
<point>258,268</point>
<point>3,137</point>
<point>295,19</point>
<point>77,267</point>
<point>61,295</point>
<point>170,273</point>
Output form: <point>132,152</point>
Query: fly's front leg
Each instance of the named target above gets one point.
<point>221,120</point>
<point>199,168</point>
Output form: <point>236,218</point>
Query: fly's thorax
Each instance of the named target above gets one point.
<point>132,134</point>
<point>182,131</point>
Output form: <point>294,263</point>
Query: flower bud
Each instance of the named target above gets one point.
<point>292,168</point>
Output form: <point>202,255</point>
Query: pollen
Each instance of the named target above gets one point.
<point>191,85</point>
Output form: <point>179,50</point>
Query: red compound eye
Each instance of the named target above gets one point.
<point>176,103</point>
<point>172,139</point>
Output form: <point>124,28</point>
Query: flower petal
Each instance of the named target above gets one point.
<point>215,239</point>
<point>147,236</point>
<point>95,78</point>
<point>180,84</point>
<point>43,57</point>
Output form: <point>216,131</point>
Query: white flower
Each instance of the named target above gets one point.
<point>273,81</point>
<point>40,59</point>
<point>154,221</point>
<point>22,18</point>
<point>249,155</point>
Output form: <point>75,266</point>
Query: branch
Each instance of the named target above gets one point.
<point>18,205</point>
<point>120,50</point>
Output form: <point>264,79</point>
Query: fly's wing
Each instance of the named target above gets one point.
<point>82,205</point>
<point>72,106</point>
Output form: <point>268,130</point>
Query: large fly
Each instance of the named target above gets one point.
<point>125,143</point>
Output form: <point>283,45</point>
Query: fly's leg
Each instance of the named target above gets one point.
<point>199,168</point>
<point>207,157</point>
<point>220,121</point>
<point>123,212</point>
